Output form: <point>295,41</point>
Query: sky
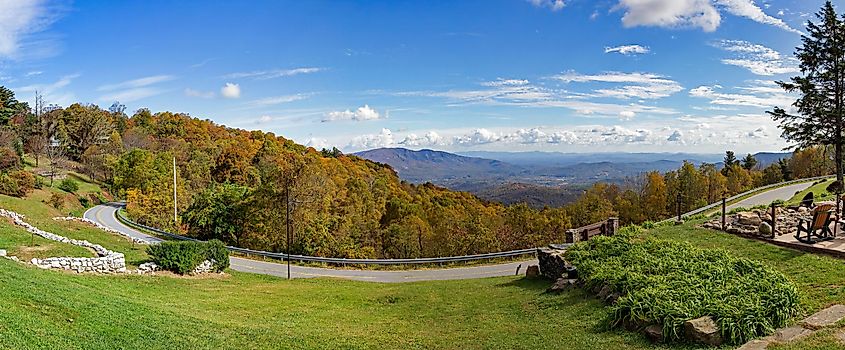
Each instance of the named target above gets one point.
<point>497,75</point>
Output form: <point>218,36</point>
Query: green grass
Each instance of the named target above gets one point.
<point>17,241</point>
<point>817,189</point>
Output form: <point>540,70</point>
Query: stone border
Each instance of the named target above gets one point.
<point>107,261</point>
<point>822,319</point>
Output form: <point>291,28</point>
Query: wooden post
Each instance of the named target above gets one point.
<point>724,201</point>
<point>774,219</point>
<point>612,226</point>
<point>571,236</point>
<point>678,205</point>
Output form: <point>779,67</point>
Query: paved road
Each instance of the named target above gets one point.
<point>105,215</point>
<point>766,198</point>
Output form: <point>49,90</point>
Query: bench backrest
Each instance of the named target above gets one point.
<point>821,215</point>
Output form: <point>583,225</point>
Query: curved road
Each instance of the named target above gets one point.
<point>766,198</point>
<point>105,215</point>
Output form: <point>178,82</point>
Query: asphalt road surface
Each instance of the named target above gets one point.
<point>766,198</point>
<point>105,215</point>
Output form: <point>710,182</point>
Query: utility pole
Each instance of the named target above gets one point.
<point>175,213</point>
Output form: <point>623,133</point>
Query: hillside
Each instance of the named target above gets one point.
<point>440,167</point>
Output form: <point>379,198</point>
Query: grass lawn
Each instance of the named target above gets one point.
<point>817,189</point>
<point>61,310</point>
<point>17,241</point>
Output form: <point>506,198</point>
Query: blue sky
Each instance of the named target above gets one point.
<point>512,75</point>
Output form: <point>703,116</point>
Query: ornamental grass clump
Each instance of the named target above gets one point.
<point>668,283</point>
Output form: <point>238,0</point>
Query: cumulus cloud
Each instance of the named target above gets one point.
<point>758,59</point>
<point>430,139</point>
<point>369,141</point>
<point>670,13</point>
<point>634,85</point>
<point>18,19</point>
<point>231,90</point>
<point>675,136</point>
<point>273,73</point>
<point>361,114</point>
<point>627,115</point>
<point>317,143</point>
<point>554,5</point>
<point>477,137</point>
<point>628,50</point>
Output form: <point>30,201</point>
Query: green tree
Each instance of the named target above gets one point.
<point>749,162</point>
<point>218,212</point>
<point>819,117</point>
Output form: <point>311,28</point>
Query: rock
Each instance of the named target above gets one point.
<point>654,333</point>
<point>757,344</point>
<point>562,284</point>
<point>552,263</point>
<point>2,252</point>
<point>613,297</point>
<point>765,229</point>
<point>825,318</point>
<point>533,271</point>
<point>703,330</point>
<point>749,219</point>
<point>788,334</point>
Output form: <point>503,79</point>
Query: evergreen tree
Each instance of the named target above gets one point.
<point>819,117</point>
<point>749,162</point>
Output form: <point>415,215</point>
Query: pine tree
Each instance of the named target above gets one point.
<point>819,117</point>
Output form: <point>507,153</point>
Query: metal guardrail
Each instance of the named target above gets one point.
<point>743,194</point>
<point>340,261</point>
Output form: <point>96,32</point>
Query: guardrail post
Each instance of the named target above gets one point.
<point>724,201</point>
<point>612,226</point>
<point>774,220</point>
<point>571,236</point>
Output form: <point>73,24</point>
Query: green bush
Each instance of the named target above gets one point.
<point>68,185</point>
<point>9,186</point>
<point>84,201</point>
<point>184,256</point>
<point>668,283</point>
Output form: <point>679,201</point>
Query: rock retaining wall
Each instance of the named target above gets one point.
<point>106,262</point>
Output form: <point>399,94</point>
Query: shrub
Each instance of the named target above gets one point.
<point>25,181</point>
<point>39,182</point>
<point>9,186</point>
<point>84,201</point>
<point>57,200</point>
<point>668,283</point>
<point>68,185</point>
<point>9,160</point>
<point>184,256</point>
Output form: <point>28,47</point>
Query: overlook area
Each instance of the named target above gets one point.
<point>481,174</point>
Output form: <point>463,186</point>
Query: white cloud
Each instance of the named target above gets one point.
<point>130,95</point>
<point>758,59</point>
<point>430,139</point>
<point>676,136</point>
<point>201,94</point>
<point>477,137</point>
<point>273,73</point>
<point>275,100</point>
<point>748,9</point>
<point>53,92</point>
<point>645,85</point>
<point>362,113</point>
<point>554,5</point>
<point>19,19</point>
<point>761,95</point>
<point>670,13</point>
<point>627,115</point>
<point>317,143</point>
<point>136,83</point>
<point>628,49</point>
<point>231,90</point>
<point>369,141</point>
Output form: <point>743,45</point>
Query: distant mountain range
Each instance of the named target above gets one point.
<point>536,178</point>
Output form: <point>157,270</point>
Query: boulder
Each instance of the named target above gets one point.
<point>604,292</point>
<point>703,330</point>
<point>552,263</point>
<point>2,252</point>
<point>765,229</point>
<point>654,333</point>
<point>749,219</point>
<point>562,284</point>
<point>533,271</point>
